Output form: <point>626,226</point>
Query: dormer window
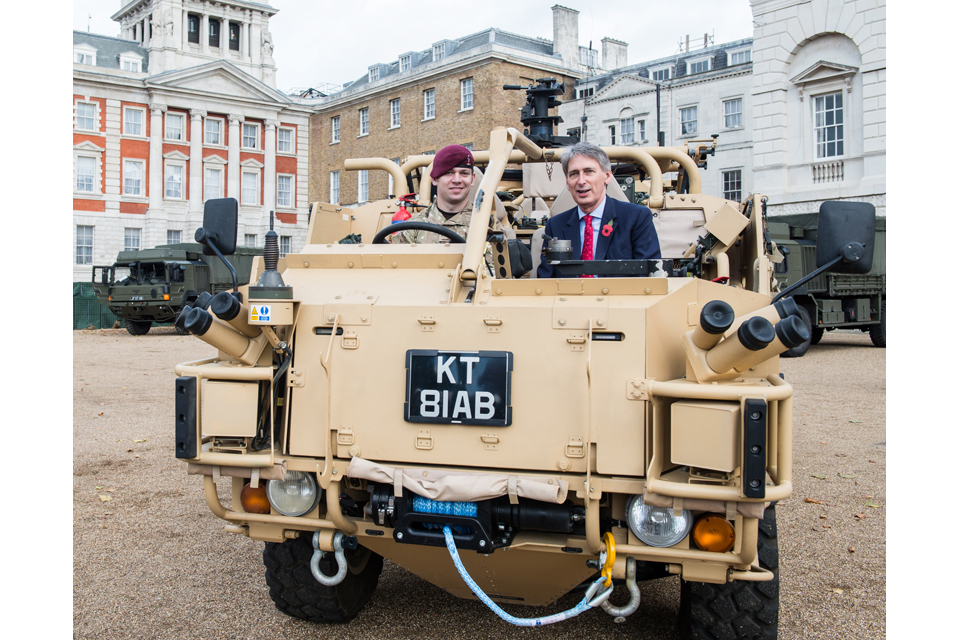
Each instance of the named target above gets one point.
<point>84,54</point>
<point>405,63</point>
<point>130,62</point>
<point>660,74</point>
<point>439,51</point>
<point>374,73</point>
<point>738,57</point>
<point>698,66</point>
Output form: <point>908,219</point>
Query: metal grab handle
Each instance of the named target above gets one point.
<point>323,579</point>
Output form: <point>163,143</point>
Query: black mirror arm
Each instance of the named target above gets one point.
<point>796,285</point>
<point>204,237</point>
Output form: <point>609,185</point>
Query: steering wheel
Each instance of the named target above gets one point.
<point>454,237</point>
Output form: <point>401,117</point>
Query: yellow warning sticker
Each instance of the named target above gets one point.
<point>260,313</point>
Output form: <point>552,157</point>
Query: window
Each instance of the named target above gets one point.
<point>173,236</point>
<point>642,126</point>
<point>251,132</point>
<point>698,66</point>
<point>439,50</point>
<point>82,57</point>
<point>193,28</point>
<point>174,126</point>
<point>468,146</point>
<point>732,185</point>
<point>249,239</point>
<point>173,181</point>
<point>214,32</point>
<point>212,128</point>
<point>395,113</point>
<point>335,127</point>
<point>131,239</point>
<point>133,177</point>
<point>404,63</point>
<point>466,94</point>
<point>659,75</point>
<point>429,104</point>
<point>373,74</point>
<point>130,62</point>
<point>613,134</point>
<point>363,190</point>
<point>364,121</point>
<point>284,245</point>
<point>86,174</point>
<point>334,187</point>
<point>733,113</point>
<point>212,183</point>
<point>132,122</point>
<point>285,191</point>
<point>626,131</point>
<point>285,140</point>
<point>828,124</point>
<point>84,244</point>
<point>250,187</point>
<point>86,116</point>
<point>234,36</point>
<point>584,93</point>
<point>738,57</point>
<point>588,57</point>
<point>688,121</point>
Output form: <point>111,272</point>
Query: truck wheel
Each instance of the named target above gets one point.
<point>297,593</point>
<point>878,332</point>
<point>816,335</point>
<point>737,609</point>
<point>135,328</point>
<point>801,349</point>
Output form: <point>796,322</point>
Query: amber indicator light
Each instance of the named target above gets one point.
<point>714,533</point>
<point>255,500</point>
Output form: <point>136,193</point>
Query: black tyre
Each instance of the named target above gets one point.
<point>878,332</point>
<point>737,609</point>
<point>816,335</point>
<point>801,349</point>
<point>135,328</point>
<point>181,330</point>
<point>297,593</point>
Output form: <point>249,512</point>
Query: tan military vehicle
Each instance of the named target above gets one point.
<point>502,436</point>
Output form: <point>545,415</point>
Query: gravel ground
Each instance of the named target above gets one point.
<point>151,561</point>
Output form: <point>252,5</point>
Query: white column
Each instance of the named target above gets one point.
<point>270,168</point>
<point>155,185</point>
<point>233,157</point>
<point>205,34</point>
<point>196,159</point>
<point>224,35</point>
<point>244,46</point>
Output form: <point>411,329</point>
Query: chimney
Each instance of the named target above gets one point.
<point>614,54</point>
<point>566,35</point>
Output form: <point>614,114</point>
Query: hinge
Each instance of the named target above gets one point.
<point>295,378</point>
<point>345,436</point>
<point>575,448</point>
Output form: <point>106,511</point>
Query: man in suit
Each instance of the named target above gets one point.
<point>599,227</point>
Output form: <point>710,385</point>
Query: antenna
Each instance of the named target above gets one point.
<point>89,15</point>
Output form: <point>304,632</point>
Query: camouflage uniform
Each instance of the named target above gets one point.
<point>459,224</point>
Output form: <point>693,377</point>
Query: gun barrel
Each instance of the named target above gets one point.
<point>753,335</point>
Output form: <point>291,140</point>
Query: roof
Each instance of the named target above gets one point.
<point>109,49</point>
<point>244,3</point>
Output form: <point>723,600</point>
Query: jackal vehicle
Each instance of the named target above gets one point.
<point>154,285</point>
<point>503,436</point>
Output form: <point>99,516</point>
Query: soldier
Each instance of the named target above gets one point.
<point>453,176</point>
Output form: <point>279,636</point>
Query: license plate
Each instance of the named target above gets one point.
<point>458,387</point>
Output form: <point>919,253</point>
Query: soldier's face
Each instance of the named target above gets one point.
<point>586,182</point>
<point>454,186</point>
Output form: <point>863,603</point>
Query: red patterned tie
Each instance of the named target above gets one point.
<point>587,253</point>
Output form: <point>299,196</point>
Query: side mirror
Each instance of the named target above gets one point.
<point>219,226</point>
<point>846,229</point>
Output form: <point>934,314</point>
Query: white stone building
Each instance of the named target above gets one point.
<point>180,109</point>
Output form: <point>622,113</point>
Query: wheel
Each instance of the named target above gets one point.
<point>737,609</point>
<point>878,332</point>
<point>297,593</point>
<point>135,328</point>
<point>181,330</point>
<point>380,238</point>
<point>801,349</point>
<point>816,335</point>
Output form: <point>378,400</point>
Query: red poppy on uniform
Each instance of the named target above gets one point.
<point>607,229</point>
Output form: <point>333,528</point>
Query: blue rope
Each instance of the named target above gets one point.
<point>426,505</point>
<point>582,606</point>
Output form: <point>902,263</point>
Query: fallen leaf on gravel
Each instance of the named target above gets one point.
<point>110,490</point>
<point>136,456</point>
<point>823,516</point>
<point>871,504</point>
<point>129,450</point>
<point>825,525</point>
<point>840,455</point>
<point>859,516</point>
<point>144,440</point>
<point>819,475</point>
<point>873,461</point>
<point>98,488</point>
<point>812,501</point>
<point>105,498</point>
<point>835,590</point>
<point>855,421</point>
<point>867,497</point>
<point>823,442</point>
<point>851,550</point>
<point>100,414</point>
<point>845,476</point>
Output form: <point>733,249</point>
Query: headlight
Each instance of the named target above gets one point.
<point>657,526</point>
<point>295,495</point>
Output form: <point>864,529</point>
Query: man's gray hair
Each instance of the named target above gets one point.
<point>584,149</point>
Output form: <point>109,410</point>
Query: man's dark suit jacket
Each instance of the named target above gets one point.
<point>633,237</point>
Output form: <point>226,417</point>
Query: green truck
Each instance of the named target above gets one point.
<point>831,300</point>
<point>153,285</point>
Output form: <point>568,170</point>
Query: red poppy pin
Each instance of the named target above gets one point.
<point>607,229</point>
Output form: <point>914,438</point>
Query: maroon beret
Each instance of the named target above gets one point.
<point>449,157</point>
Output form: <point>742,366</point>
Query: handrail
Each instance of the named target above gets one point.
<point>650,166</point>
<point>399,177</point>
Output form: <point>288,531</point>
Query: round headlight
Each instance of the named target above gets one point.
<point>295,495</point>
<point>657,526</point>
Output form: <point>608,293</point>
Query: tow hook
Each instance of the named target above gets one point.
<point>338,544</point>
<point>620,613</point>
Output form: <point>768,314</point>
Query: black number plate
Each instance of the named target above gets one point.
<point>458,387</point>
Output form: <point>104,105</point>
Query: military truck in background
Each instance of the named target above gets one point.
<point>831,300</point>
<point>153,285</point>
